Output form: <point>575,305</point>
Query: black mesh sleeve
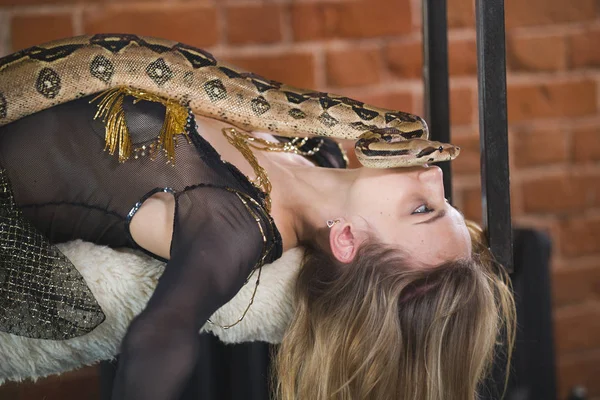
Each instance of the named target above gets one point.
<point>216,243</point>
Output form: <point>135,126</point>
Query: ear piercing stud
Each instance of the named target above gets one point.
<point>332,222</point>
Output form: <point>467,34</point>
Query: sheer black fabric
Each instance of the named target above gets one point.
<point>69,188</point>
<point>232,371</point>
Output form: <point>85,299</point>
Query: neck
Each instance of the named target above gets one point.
<point>305,197</point>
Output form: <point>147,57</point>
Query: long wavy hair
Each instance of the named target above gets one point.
<point>380,329</point>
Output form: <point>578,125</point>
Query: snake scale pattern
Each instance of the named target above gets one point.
<point>42,76</point>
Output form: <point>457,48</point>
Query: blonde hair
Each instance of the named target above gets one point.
<point>379,329</point>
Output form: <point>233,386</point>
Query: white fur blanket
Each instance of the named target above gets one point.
<point>122,282</point>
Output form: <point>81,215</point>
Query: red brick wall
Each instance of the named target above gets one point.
<point>371,49</point>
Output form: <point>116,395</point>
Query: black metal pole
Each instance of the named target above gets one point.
<point>495,182</point>
<point>435,76</point>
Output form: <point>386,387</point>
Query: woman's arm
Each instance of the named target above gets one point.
<point>215,244</point>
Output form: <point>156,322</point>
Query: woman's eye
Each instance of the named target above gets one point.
<point>423,209</point>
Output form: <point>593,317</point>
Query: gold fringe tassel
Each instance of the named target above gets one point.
<point>110,110</point>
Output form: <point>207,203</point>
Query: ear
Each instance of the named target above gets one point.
<point>344,241</point>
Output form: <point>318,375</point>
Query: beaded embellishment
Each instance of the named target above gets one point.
<point>110,111</point>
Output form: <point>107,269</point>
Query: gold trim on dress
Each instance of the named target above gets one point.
<point>117,137</point>
<point>240,142</point>
<point>244,198</point>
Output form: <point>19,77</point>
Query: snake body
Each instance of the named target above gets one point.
<point>42,76</point>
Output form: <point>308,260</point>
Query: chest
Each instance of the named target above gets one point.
<point>211,130</point>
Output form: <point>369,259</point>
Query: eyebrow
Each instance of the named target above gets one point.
<point>437,216</point>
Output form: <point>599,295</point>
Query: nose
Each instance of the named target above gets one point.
<point>431,174</point>
<point>433,178</point>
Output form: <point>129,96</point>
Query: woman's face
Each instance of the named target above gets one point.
<point>407,207</point>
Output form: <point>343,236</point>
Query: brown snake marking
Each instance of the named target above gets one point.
<point>42,76</point>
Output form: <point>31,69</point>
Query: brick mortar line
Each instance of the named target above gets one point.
<point>517,197</point>
<point>257,50</point>
<point>570,123</point>
<point>568,168</point>
<point>585,264</point>
<point>575,309</point>
<point>385,72</point>
<point>536,35</point>
<point>320,69</point>
<point>385,87</point>
<point>214,3</point>
<point>598,91</point>
<point>538,31</point>
<point>38,10</point>
<point>463,182</point>
<point>547,221</point>
<point>381,88</point>
<point>533,78</point>
<point>344,45</point>
<point>541,77</point>
<point>578,264</point>
<point>281,47</point>
<point>553,29</point>
<point>457,196</point>
<point>467,174</point>
<point>553,221</point>
<point>262,2</point>
<point>77,20</point>
<point>474,106</point>
<point>593,213</point>
<point>416,14</point>
<point>463,81</point>
<point>570,146</point>
<point>221,26</point>
<point>150,6</point>
<point>529,174</point>
<point>285,20</point>
<point>575,356</point>
<point>351,42</point>
<point>465,130</point>
<point>409,38</point>
<point>462,34</point>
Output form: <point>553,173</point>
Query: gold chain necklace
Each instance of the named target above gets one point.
<point>238,140</point>
<point>292,146</point>
<point>244,142</point>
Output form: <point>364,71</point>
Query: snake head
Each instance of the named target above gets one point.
<point>374,153</point>
<point>433,151</point>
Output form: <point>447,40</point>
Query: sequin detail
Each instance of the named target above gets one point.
<point>42,295</point>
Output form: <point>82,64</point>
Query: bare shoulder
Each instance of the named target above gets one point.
<point>152,225</point>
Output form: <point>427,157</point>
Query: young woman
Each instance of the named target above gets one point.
<point>397,297</point>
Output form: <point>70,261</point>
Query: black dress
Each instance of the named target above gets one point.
<point>57,178</point>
